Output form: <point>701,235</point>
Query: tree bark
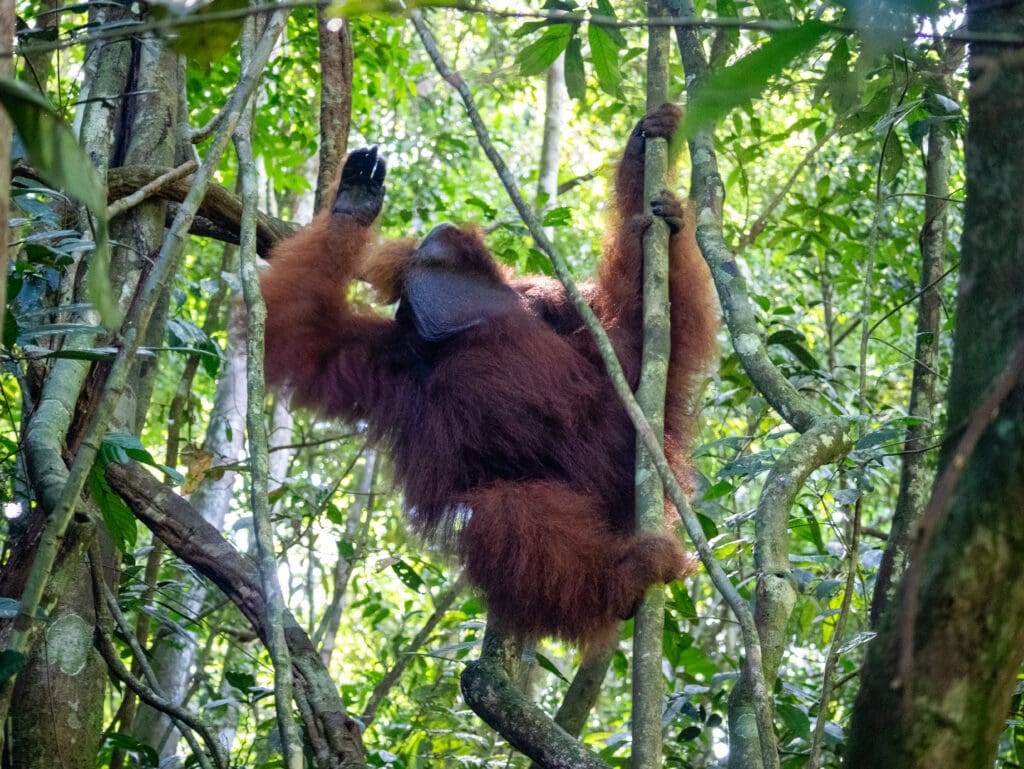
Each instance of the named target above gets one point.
<point>649,623</point>
<point>938,678</point>
<point>915,472</point>
<point>336,64</point>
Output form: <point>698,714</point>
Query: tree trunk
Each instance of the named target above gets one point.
<point>56,718</point>
<point>958,618</point>
<point>916,472</point>
<point>225,434</point>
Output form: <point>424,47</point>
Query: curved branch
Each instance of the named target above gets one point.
<point>488,687</point>
<point>150,189</point>
<point>825,439</point>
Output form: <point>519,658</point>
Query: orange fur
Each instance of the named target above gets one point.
<point>508,439</point>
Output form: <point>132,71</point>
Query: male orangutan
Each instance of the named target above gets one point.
<point>506,436</point>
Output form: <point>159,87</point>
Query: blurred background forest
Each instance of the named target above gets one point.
<point>840,143</point>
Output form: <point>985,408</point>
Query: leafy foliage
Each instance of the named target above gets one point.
<point>843,117</point>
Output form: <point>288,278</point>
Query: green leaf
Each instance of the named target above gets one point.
<point>892,158</point>
<point>795,719</point>
<point>708,526</point>
<point>11,330</point>
<point>542,52</point>
<point>346,549</point>
<point>489,212</point>
<point>546,664</point>
<point>55,154</point>
<point>838,79</point>
<point>747,78</point>
<point>604,53</point>
<point>575,77</point>
<point>240,679</point>
<point>408,575</point>
<point>720,489</point>
<point>119,520</point>
<point>727,9</point>
<point>604,8</point>
<point>689,733</point>
<point>794,342</point>
<point>147,756</point>
<point>120,447</point>
<point>776,10</point>
<point>748,466</point>
<point>810,530</point>
<point>891,432</point>
<point>681,602</point>
<point>558,217</point>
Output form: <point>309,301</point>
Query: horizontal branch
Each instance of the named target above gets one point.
<point>221,207</point>
<point>219,215</point>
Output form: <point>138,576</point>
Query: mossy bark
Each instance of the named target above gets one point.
<point>946,704</point>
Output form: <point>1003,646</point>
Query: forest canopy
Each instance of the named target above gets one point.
<point>197,572</point>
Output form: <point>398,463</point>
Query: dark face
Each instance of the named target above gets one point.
<point>457,249</point>
<point>452,284</point>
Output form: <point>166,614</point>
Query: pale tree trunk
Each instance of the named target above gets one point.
<point>212,499</point>
<point>361,509</point>
<point>938,679</point>
<point>556,102</point>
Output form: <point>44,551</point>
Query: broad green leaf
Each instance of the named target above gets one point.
<point>795,343</point>
<point>747,78</point>
<point>720,489</point>
<point>892,158</point>
<point>120,447</point>
<point>748,466</point>
<point>891,432</point>
<point>795,719</point>
<point>490,212</point>
<point>408,575</point>
<point>776,10</point>
<point>604,53</point>
<point>726,9</point>
<point>147,756</point>
<point>56,155</point>
<point>575,77</point>
<point>689,733</point>
<point>604,8</point>
<point>838,79</point>
<point>240,679</point>
<point>542,52</point>
<point>118,518</point>
<point>808,529</point>
<point>681,601</point>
